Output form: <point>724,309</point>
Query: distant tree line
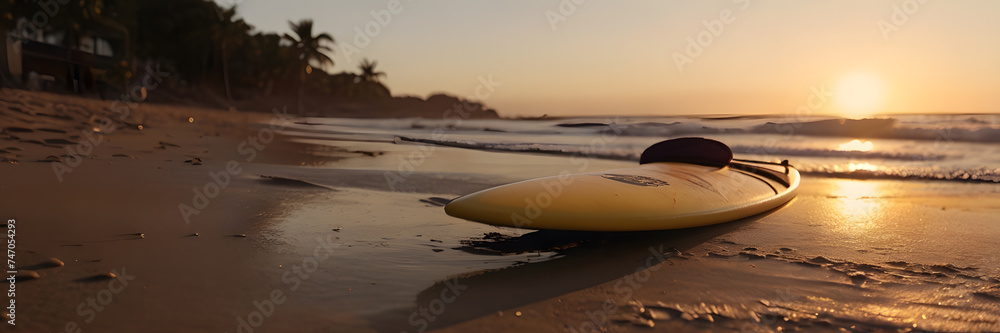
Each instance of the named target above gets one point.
<point>206,46</point>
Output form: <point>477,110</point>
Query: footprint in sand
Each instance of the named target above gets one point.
<point>50,159</point>
<point>20,110</point>
<point>59,141</point>
<point>40,143</point>
<point>17,130</point>
<point>97,277</point>
<point>56,116</point>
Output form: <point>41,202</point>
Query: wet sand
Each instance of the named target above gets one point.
<point>904,256</point>
<point>314,238</point>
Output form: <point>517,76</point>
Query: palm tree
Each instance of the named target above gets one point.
<point>268,60</point>
<point>229,33</point>
<point>176,32</point>
<point>368,73</point>
<point>309,48</point>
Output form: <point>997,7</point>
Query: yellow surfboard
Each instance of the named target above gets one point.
<point>681,183</point>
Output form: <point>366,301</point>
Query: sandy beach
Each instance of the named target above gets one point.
<point>211,220</point>
<point>363,166</point>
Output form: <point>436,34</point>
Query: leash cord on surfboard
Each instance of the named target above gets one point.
<point>774,175</point>
<point>782,163</point>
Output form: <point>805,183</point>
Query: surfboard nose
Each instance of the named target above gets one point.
<point>458,207</point>
<point>483,206</point>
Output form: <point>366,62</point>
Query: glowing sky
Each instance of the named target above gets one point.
<point>621,57</point>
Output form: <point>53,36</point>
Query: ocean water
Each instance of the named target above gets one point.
<point>962,147</point>
<point>841,227</point>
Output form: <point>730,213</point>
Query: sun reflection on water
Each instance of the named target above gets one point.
<point>856,189</point>
<point>856,145</point>
<point>862,167</point>
<point>859,202</point>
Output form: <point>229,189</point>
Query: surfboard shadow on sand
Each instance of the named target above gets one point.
<point>585,259</point>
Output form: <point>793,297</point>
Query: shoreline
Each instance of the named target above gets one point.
<point>853,251</point>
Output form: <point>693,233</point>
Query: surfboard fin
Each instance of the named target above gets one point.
<point>698,151</point>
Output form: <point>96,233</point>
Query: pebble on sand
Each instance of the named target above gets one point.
<point>26,275</point>
<point>238,235</point>
<point>98,277</point>
<point>51,263</point>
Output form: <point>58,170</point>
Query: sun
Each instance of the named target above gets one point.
<point>859,94</point>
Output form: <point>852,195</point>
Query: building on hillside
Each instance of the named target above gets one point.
<point>64,59</point>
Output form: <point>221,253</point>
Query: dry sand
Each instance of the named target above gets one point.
<point>307,238</point>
